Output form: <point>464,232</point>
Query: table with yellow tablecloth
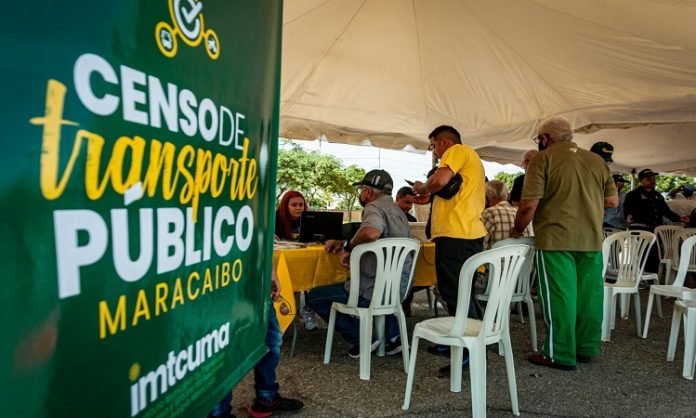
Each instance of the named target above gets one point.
<point>302,269</point>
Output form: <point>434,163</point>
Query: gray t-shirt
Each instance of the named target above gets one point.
<point>386,217</point>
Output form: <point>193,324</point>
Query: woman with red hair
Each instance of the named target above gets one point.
<point>287,227</point>
<point>288,215</point>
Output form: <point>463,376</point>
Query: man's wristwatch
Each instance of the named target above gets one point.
<point>346,246</point>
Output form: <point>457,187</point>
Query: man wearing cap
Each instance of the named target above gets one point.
<point>604,150</point>
<point>404,199</point>
<point>614,217</point>
<point>566,189</point>
<point>382,218</point>
<point>644,209</point>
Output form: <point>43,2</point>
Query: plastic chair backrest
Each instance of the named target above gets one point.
<point>632,248</point>
<point>677,241</point>
<point>665,235</point>
<point>686,258</point>
<point>504,265</point>
<point>523,284</point>
<point>608,230</point>
<point>391,255</point>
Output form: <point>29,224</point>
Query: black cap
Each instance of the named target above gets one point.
<point>604,150</point>
<point>646,173</point>
<point>377,179</point>
<point>618,178</point>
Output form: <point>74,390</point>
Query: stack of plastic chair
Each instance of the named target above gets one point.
<point>460,332</point>
<point>391,254</point>
<point>633,248</point>
<point>676,289</point>
<point>687,309</point>
<point>608,230</point>
<point>523,289</point>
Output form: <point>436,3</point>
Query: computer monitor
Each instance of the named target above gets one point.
<point>320,226</point>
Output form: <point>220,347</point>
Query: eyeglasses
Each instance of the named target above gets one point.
<point>538,138</point>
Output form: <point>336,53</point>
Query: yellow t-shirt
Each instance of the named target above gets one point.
<point>460,216</point>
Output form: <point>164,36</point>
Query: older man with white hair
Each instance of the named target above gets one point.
<point>499,216</point>
<point>518,184</point>
<point>566,189</point>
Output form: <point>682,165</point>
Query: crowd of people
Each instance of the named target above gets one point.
<point>565,198</point>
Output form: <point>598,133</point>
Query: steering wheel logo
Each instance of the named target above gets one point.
<point>187,24</point>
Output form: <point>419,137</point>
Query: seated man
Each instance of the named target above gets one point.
<point>382,218</point>
<point>499,216</point>
<point>404,199</point>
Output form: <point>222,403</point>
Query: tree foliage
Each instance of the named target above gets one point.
<point>322,179</point>
<point>507,178</point>
<point>665,184</point>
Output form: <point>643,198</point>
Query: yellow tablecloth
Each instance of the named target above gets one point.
<point>303,269</point>
<point>307,268</point>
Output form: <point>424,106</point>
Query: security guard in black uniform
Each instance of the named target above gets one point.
<point>644,208</point>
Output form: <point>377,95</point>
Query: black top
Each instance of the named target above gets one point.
<point>516,192</point>
<point>647,208</point>
<point>410,217</point>
<point>294,233</point>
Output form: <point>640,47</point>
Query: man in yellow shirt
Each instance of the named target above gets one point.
<point>457,228</point>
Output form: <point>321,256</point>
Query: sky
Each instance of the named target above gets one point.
<point>401,165</point>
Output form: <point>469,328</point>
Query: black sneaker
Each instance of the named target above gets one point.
<point>354,351</point>
<point>278,406</point>
<point>439,350</point>
<point>394,347</point>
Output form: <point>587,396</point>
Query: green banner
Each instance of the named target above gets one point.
<point>139,164</point>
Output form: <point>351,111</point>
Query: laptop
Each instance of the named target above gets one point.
<point>320,226</point>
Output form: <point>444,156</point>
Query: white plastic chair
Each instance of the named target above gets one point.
<point>676,289</point>
<point>391,254</point>
<point>523,288</point>
<point>688,310</point>
<point>677,239</point>
<point>665,235</point>
<point>459,331</point>
<point>633,248</point>
<point>608,230</point>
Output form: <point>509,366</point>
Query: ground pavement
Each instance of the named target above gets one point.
<point>631,379</point>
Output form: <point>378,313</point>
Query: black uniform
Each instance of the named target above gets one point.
<point>646,210</point>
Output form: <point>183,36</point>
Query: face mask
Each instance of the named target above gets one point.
<point>362,202</point>
<point>541,145</point>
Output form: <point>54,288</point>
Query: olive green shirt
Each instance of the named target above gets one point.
<point>571,184</point>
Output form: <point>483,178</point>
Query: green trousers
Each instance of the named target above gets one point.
<point>571,291</point>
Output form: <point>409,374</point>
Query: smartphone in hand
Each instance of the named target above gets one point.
<point>409,182</point>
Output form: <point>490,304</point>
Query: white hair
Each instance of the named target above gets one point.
<point>558,128</point>
<point>496,189</point>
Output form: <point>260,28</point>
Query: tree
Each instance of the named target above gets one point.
<point>666,184</point>
<point>507,178</point>
<point>322,179</point>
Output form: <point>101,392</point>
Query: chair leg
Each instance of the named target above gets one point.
<point>625,304</point>
<point>477,373</point>
<point>689,344</point>
<point>456,358</point>
<point>510,369</point>
<point>411,373</point>
<point>532,322</point>
<point>659,305</point>
<point>430,300</point>
<point>674,334</point>
<point>648,312</point>
<point>636,297</point>
<point>294,336</point>
<point>607,314</point>
<point>365,345</point>
<point>403,334</point>
<point>329,335</point>
<point>379,325</point>
<point>613,310</point>
<point>519,310</point>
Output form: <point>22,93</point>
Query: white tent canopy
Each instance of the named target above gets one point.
<point>391,70</point>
